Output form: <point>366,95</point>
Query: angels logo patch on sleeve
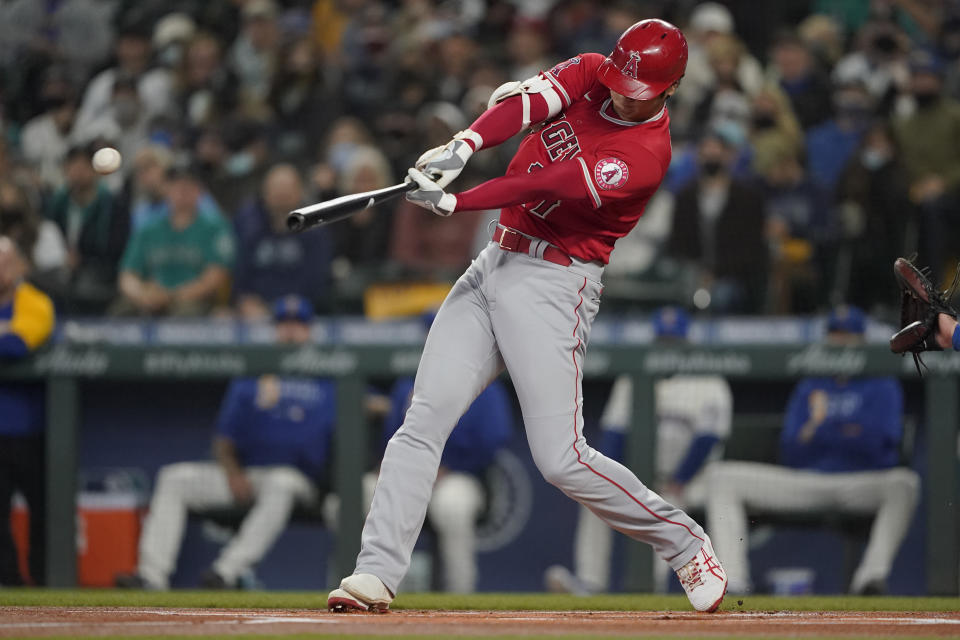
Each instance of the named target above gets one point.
<point>611,173</point>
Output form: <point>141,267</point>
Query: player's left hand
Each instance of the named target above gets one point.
<point>430,195</point>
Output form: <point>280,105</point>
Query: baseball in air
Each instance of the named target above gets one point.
<point>106,160</point>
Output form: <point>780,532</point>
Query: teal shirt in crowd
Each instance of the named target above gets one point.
<point>172,257</point>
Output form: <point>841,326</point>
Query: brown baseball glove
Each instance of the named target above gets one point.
<point>920,305</point>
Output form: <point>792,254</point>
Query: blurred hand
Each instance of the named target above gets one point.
<point>240,486</point>
<point>377,405</point>
<point>253,307</point>
<point>155,297</point>
<point>819,404</point>
<point>945,327</point>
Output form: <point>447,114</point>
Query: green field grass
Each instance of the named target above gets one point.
<point>441,601</point>
<point>478,601</point>
<point>340,636</point>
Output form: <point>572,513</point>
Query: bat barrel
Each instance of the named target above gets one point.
<point>296,221</point>
<point>339,208</point>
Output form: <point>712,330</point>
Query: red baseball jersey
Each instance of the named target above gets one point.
<point>622,165</point>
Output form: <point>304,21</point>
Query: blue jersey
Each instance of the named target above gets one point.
<point>484,428</point>
<point>25,324</point>
<point>280,421</point>
<point>852,425</point>
<point>272,264</point>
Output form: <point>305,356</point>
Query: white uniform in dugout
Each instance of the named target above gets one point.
<point>689,409</point>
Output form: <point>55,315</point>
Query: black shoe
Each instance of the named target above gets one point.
<point>129,581</point>
<point>213,580</point>
<point>874,588</point>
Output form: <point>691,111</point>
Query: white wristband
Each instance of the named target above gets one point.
<point>472,136</point>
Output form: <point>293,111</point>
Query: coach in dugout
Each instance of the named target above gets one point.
<point>26,321</point>
<point>271,446</point>
<point>840,449</point>
<point>694,415</point>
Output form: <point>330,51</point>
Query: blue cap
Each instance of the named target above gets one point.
<point>671,322</point>
<point>847,318</point>
<point>293,307</point>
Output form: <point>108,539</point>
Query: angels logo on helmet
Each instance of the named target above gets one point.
<point>630,69</point>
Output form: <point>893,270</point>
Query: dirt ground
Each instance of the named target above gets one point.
<point>65,621</point>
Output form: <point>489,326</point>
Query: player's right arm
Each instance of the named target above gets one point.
<point>569,181</point>
<point>793,451</point>
<point>234,410</point>
<point>712,421</point>
<point>513,106</point>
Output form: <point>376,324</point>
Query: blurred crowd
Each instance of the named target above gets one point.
<point>814,141</point>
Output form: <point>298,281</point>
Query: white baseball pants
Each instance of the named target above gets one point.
<point>736,488</point>
<point>201,485</point>
<point>593,543</point>
<point>456,503</point>
<point>532,317</point>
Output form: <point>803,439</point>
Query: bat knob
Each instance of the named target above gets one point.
<point>296,221</point>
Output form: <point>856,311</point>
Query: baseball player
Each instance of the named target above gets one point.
<point>578,182</point>
<point>840,448</point>
<point>694,415</point>
<point>271,446</point>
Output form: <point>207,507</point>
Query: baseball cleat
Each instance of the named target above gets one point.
<point>704,579</point>
<point>360,592</point>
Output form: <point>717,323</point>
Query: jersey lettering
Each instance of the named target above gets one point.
<point>630,69</point>
<point>560,141</point>
<point>542,208</point>
<point>563,65</point>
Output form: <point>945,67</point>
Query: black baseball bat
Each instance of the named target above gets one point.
<point>343,207</point>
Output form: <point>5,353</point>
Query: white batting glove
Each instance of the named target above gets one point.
<point>430,195</point>
<point>445,163</point>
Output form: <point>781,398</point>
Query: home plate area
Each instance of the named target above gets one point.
<point>98,621</point>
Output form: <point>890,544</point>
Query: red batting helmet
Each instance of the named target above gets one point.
<point>648,58</point>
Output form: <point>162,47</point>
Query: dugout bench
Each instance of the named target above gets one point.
<point>66,364</point>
